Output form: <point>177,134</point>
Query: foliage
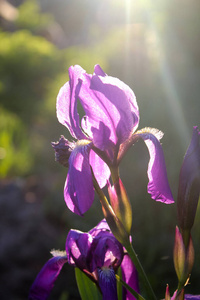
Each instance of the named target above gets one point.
<point>15,154</point>
<point>31,18</point>
<point>27,64</point>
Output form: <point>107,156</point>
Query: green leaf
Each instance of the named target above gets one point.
<point>87,288</point>
<point>134,293</point>
<point>119,285</point>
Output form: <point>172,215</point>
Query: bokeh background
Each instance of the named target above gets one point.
<point>153,46</point>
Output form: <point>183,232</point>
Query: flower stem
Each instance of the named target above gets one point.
<point>142,274</point>
<point>115,224</point>
<point>120,233</point>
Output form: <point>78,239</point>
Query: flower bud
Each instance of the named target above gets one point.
<point>120,203</point>
<point>167,294</point>
<point>113,221</point>
<point>183,258</point>
<point>189,184</point>
<point>115,224</point>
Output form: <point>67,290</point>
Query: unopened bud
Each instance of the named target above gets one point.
<point>183,258</point>
<point>115,224</point>
<point>189,184</point>
<point>120,203</point>
<point>167,294</point>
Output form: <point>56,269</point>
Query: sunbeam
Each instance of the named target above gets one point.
<point>173,98</point>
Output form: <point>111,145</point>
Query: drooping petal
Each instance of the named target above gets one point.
<point>67,103</point>
<point>78,190</point>
<point>130,276</point>
<point>100,169</point>
<point>77,246</point>
<point>45,280</point>
<point>111,109</point>
<point>107,283</point>
<point>158,185</point>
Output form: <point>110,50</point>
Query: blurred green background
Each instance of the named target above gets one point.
<point>154,47</point>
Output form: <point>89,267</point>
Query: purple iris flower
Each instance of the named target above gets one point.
<point>98,254</point>
<point>192,297</point>
<point>110,121</point>
<point>187,297</point>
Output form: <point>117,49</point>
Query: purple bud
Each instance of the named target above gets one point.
<point>189,183</point>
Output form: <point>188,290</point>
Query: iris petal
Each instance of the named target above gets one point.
<point>67,103</point>
<point>77,246</point>
<point>158,185</point>
<point>186,296</point>
<point>106,251</point>
<point>101,227</point>
<point>111,108</point>
<point>130,276</point>
<point>98,71</point>
<point>44,282</point>
<point>79,191</point>
<point>100,169</point>
<point>107,283</point>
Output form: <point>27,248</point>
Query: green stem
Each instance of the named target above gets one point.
<point>119,232</point>
<point>180,294</point>
<point>135,260</point>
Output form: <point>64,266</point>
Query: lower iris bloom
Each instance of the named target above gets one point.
<point>98,254</point>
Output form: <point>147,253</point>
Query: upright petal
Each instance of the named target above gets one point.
<point>101,227</point>
<point>130,276</point>
<point>78,190</point>
<point>98,71</point>
<point>158,185</point>
<point>111,108</point>
<point>44,282</point>
<point>67,103</point>
<point>106,251</point>
<point>77,246</point>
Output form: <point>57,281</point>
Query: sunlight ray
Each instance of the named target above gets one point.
<point>173,98</point>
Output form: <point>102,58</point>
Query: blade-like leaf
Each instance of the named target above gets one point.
<point>134,293</point>
<point>87,288</point>
<point>119,285</point>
